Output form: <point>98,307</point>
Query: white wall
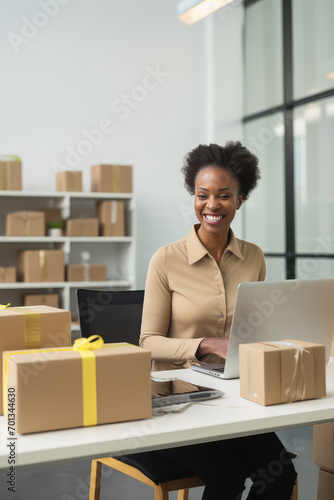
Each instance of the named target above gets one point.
<point>62,78</point>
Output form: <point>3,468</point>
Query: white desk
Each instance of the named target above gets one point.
<point>228,417</point>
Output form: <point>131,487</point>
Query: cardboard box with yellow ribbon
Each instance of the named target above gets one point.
<point>282,371</point>
<point>69,180</point>
<point>32,328</point>
<point>75,387</point>
<point>25,223</point>
<point>111,178</point>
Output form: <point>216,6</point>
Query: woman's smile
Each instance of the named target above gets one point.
<point>213,219</point>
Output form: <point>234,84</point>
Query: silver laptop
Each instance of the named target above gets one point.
<point>269,311</point>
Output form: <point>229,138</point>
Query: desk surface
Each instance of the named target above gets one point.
<point>228,417</point>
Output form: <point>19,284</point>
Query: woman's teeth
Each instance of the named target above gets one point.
<point>213,218</point>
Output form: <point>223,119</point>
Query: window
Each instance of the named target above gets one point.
<point>291,214</point>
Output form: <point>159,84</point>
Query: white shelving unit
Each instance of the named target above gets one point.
<point>118,253</point>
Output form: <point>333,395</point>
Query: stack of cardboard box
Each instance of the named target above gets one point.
<point>323,456</point>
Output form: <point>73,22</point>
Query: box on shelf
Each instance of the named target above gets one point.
<point>40,265</point>
<point>7,274</point>
<point>82,227</point>
<point>46,299</point>
<point>86,272</point>
<point>31,328</point>
<point>111,217</point>
<point>325,485</point>
<point>282,372</point>
<point>121,391</point>
<point>10,175</point>
<point>26,223</point>
<point>70,180</point>
<point>111,178</point>
<point>323,446</point>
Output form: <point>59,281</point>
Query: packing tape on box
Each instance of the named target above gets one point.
<point>297,389</point>
<point>85,347</point>
<point>113,215</point>
<point>43,264</point>
<point>86,271</point>
<point>32,327</point>
<point>26,224</point>
<point>72,180</point>
<point>116,178</point>
<point>83,228</point>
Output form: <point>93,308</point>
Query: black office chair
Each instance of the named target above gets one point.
<point>116,317</point>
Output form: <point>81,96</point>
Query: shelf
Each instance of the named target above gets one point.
<point>67,284</point>
<point>64,194</point>
<point>63,239</point>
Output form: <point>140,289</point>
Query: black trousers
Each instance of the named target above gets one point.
<point>225,465</point>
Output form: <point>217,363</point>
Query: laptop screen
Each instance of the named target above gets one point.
<point>115,316</point>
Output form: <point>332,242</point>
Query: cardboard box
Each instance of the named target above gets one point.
<point>25,223</point>
<point>111,217</point>
<point>270,373</point>
<point>47,299</point>
<point>32,327</point>
<point>323,446</point>
<point>7,274</point>
<point>86,272</point>
<point>325,485</point>
<point>10,175</point>
<point>111,178</point>
<point>40,265</point>
<point>69,181</point>
<point>53,397</point>
<point>82,227</point>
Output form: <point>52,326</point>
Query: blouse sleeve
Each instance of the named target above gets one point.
<point>156,317</point>
<point>262,266</point>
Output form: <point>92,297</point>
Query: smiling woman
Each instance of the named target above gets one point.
<point>188,307</point>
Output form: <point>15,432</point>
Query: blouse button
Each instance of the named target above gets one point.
<point>221,291</point>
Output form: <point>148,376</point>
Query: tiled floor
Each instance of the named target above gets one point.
<point>71,482</point>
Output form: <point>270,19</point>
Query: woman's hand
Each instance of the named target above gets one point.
<point>214,345</point>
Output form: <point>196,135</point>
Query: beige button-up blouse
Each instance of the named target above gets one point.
<point>188,297</point>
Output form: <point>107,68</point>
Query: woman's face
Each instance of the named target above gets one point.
<point>216,198</point>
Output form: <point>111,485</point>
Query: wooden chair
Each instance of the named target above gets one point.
<point>154,471</point>
<point>149,468</point>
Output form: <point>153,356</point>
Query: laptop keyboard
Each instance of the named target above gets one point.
<point>219,370</point>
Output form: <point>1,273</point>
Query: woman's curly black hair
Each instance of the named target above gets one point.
<point>234,157</point>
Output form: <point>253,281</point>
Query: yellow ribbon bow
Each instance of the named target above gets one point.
<point>4,307</point>
<point>93,342</point>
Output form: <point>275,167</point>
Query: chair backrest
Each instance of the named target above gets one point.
<point>116,316</point>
